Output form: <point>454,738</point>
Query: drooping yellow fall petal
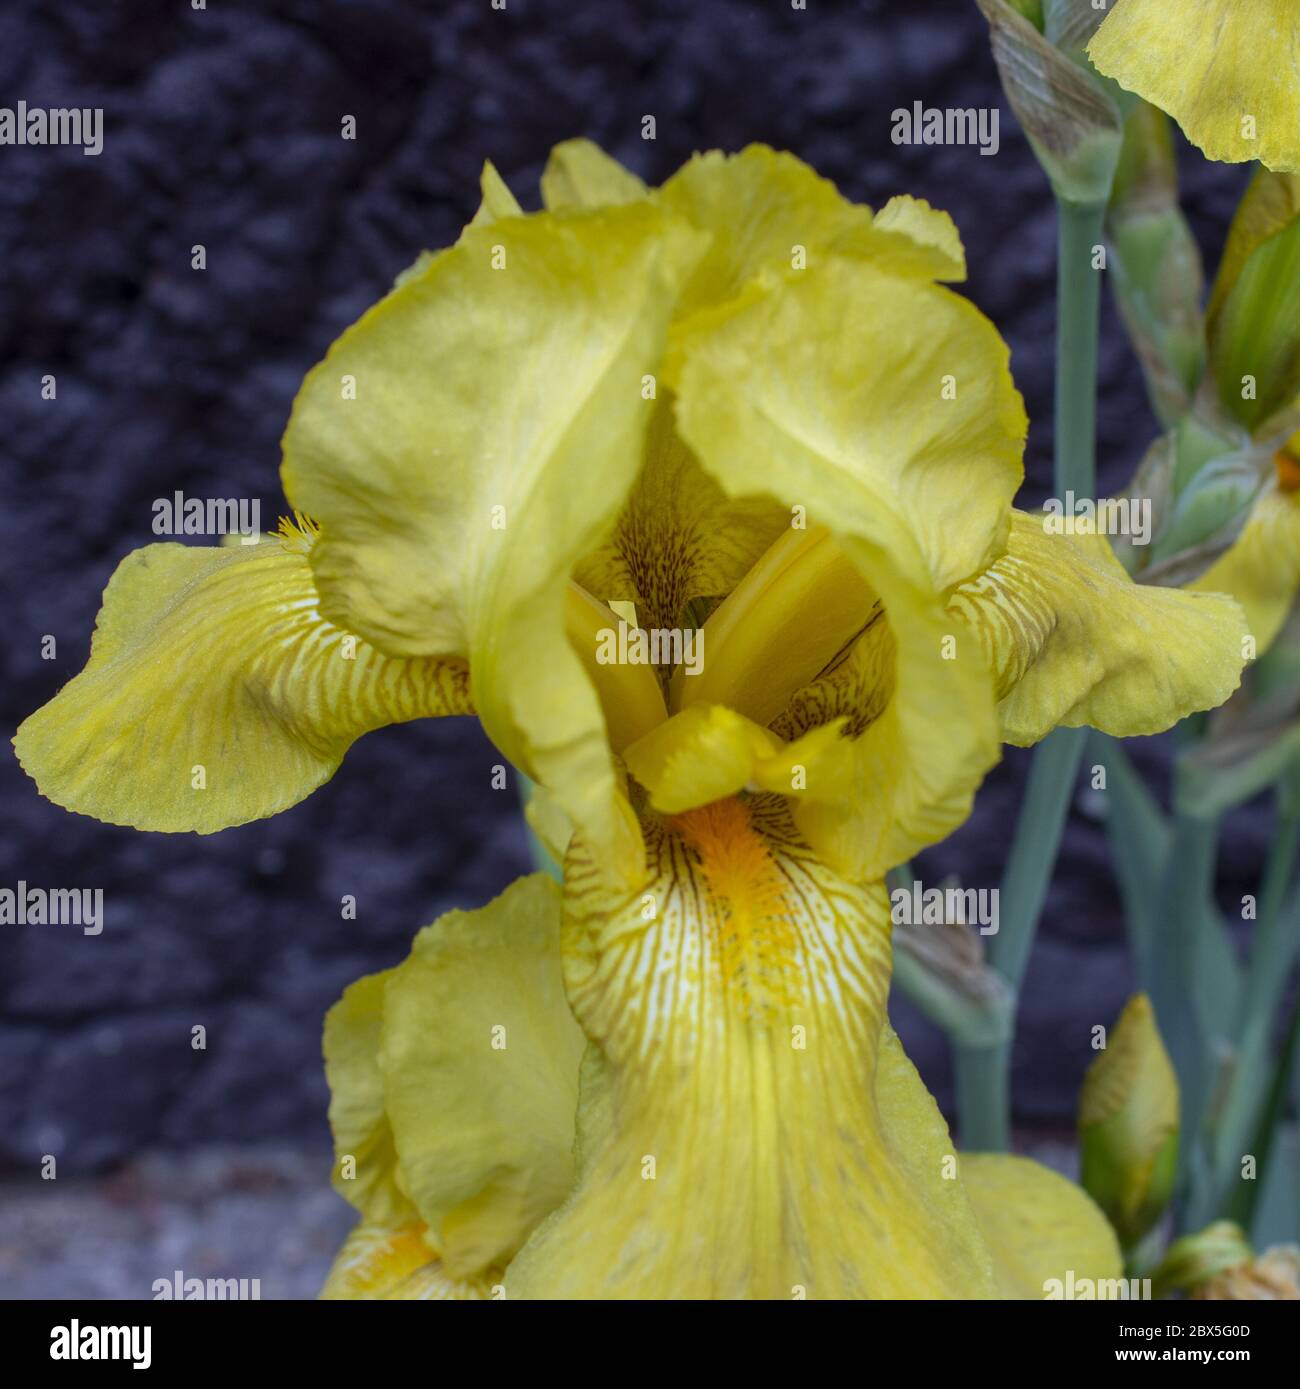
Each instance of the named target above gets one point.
<point>216,692</point>
<point>480,1060</point>
<point>454,1084</point>
<point>1261,569</point>
<point>1039,1227</point>
<point>468,441</point>
<point>1072,640</point>
<point>365,1168</point>
<point>1225,70</point>
<point>730,1141</point>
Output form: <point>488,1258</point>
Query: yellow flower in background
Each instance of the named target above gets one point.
<point>1261,568</point>
<point>1253,322</point>
<point>1225,70</point>
<point>733,418</point>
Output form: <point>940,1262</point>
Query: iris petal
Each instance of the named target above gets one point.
<point>1073,640</point>
<point>730,1141</point>
<point>1212,65</point>
<point>217,693</point>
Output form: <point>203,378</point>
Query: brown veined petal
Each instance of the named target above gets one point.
<point>216,692</point>
<point>679,536</point>
<point>917,711</point>
<point>730,1143</point>
<point>1072,640</point>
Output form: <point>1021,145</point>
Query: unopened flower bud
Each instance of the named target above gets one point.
<point>1128,1124</point>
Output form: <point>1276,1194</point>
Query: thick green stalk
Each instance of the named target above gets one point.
<point>983,1074</point>
<point>1169,972</point>
<point>1273,951</point>
<point>1078,314</point>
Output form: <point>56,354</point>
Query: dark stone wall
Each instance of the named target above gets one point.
<point>222,127</point>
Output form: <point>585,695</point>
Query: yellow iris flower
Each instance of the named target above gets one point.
<point>1256,300</point>
<point>1225,70</point>
<point>742,410</point>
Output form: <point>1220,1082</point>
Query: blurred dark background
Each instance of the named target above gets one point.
<point>222,127</point>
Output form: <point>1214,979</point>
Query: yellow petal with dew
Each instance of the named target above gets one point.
<point>217,692</point>
<point>1040,1228</point>
<point>1224,70</point>
<point>1072,640</point>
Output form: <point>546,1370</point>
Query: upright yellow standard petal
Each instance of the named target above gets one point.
<point>580,174</point>
<point>883,405</point>
<point>731,1144</point>
<point>772,218</point>
<point>454,1084</point>
<point>1225,70</point>
<point>1072,640</point>
<point>1044,1233</point>
<point>468,441</point>
<point>217,692</point>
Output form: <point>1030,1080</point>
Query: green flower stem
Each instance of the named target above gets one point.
<point>1277,939</point>
<point>1177,945</point>
<point>1078,315</point>
<point>983,1076</point>
<point>983,1073</point>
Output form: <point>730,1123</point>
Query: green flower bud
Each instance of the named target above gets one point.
<point>1156,264</point>
<point>1193,1261</point>
<point>1070,115</point>
<point>1128,1124</point>
<point>1254,313</point>
<point>1032,11</point>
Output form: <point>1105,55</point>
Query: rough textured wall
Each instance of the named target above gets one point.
<point>223,128</point>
